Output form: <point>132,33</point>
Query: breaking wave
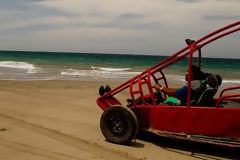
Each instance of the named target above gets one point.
<point>231,81</point>
<point>99,73</point>
<point>110,69</point>
<point>30,68</point>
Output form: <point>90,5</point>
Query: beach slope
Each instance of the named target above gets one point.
<point>49,120</point>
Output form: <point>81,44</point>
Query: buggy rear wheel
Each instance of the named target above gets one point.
<point>119,124</point>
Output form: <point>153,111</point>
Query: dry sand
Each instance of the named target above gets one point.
<point>59,120</point>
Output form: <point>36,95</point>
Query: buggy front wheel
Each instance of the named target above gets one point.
<point>119,124</point>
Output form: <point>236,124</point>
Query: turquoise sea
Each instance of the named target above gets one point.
<point>22,65</point>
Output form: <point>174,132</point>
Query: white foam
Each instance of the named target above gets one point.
<point>111,69</point>
<point>19,65</point>
<point>231,81</point>
<point>74,72</point>
<point>98,73</point>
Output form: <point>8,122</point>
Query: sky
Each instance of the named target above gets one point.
<point>152,27</point>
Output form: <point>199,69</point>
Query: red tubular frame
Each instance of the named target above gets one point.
<point>228,89</point>
<point>189,50</point>
<point>221,125</point>
<point>226,97</point>
<point>229,96</point>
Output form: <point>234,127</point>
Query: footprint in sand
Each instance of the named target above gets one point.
<point>2,129</point>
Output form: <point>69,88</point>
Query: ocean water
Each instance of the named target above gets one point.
<point>20,65</point>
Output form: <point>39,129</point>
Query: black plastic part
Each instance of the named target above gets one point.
<point>107,89</point>
<point>189,41</point>
<point>101,90</point>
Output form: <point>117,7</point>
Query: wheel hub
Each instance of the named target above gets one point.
<point>116,125</point>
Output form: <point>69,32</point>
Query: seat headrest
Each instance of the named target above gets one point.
<point>212,81</point>
<point>219,79</point>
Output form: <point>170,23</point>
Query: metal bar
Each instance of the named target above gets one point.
<point>140,88</point>
<point>190,75</point>
<point>224,97</point>
<point>217,31</point>
<point>219,36</point>
<point>150,88</point>
<point>131,93</point>
<point>177,56</point>
<point>164,78</point>
<point>167,59</point>
<point>199,57</point>
<point>227,89</point>
<point>176,59</point>
<point>135,92</point>
<point>198,41</point>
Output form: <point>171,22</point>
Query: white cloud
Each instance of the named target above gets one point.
<point>93,22</point>
<point>167,12</point>
<point>171,13</point>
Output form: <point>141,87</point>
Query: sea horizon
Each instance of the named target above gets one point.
<point>108,53</point>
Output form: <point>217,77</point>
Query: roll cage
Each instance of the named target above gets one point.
<point>145,77</point>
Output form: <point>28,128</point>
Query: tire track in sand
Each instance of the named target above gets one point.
<point>36,151</point>
<point>81,144</point>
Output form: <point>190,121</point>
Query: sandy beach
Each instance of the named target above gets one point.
<point>59,120</point>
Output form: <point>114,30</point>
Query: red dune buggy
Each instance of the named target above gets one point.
<point>212,120</point>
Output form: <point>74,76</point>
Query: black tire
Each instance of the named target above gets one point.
<point>119,125</point>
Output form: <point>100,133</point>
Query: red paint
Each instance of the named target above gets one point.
<point>210,121</point>
<point>193,120</point>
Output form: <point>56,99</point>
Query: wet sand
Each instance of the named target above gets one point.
<point>49,120</point>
